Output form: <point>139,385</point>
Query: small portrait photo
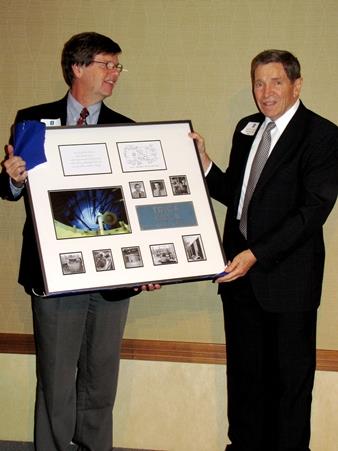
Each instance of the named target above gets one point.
<point>179,185</point>
<point>163,254</point>
<point>132,257</point>
<point>72,263</point>
<point>137,190</point>
<point>194,248</point>
<point>103,260</point>
<point>158,188</point>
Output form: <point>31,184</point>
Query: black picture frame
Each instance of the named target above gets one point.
<point>88,219</point>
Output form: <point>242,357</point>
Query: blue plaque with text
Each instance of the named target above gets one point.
<point>166,216</point>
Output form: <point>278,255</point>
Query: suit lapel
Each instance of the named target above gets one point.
<point>105,116</point>
<point>285,146</point>
<point>244,145</point>
<point>238,159</point>
<point>63,115</point>
<point>59,110</point>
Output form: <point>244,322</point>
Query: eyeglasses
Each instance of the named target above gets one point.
<point>110,65</point>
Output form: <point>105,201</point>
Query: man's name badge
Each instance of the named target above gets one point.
<point>250,129</point>
<point>51,122</point>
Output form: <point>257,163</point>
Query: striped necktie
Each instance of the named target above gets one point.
<point>83,116</point>
<point>258,164</point>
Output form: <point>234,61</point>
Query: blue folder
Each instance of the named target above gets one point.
<point>29,140</point>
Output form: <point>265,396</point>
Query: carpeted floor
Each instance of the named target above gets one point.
<point>16,446</point>
<point>26,446</point>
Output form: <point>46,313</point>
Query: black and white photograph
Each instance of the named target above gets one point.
<point>158,188</point>
<point>137,190</point>
<point>194,248</point>
<point>72,263</point>
<point>132,257</point>
<point>179,185</point>
<point>103,260</point>
<point>163,254</point>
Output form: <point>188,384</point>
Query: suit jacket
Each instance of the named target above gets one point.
<point>293,197</point>
<point>30,274</point>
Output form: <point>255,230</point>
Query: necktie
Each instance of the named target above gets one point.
<point>83,115</point>
<point>258,164</point>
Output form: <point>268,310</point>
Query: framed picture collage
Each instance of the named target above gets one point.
<point>122,205</point>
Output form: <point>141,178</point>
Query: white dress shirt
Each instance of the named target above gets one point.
<point>281,124</point>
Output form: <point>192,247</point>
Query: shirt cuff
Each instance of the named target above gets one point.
<point>208,169</point>
<point>15,190</point>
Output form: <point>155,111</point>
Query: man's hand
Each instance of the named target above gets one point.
<point>204,157</point>
<point>15,167</point>
<point>239,266</point>
<point>148,287</point>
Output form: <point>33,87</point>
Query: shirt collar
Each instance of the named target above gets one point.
<point>283,121</point>
<point>74,109</point>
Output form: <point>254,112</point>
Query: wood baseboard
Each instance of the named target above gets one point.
<point>159,350</point>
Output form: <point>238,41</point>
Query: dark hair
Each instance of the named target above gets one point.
<point>290,62</point>
<point>81,49</point>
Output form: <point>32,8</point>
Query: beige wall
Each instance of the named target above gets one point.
<point>160,405</point>
<point>186,59</point>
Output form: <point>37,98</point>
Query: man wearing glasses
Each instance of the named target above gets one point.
<point>77,337</point>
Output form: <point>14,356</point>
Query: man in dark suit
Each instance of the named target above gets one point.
<point>78,337</point>
<point>273,239</point>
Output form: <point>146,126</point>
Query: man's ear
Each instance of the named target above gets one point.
<point>77,70</point>
<point>297,86</point>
